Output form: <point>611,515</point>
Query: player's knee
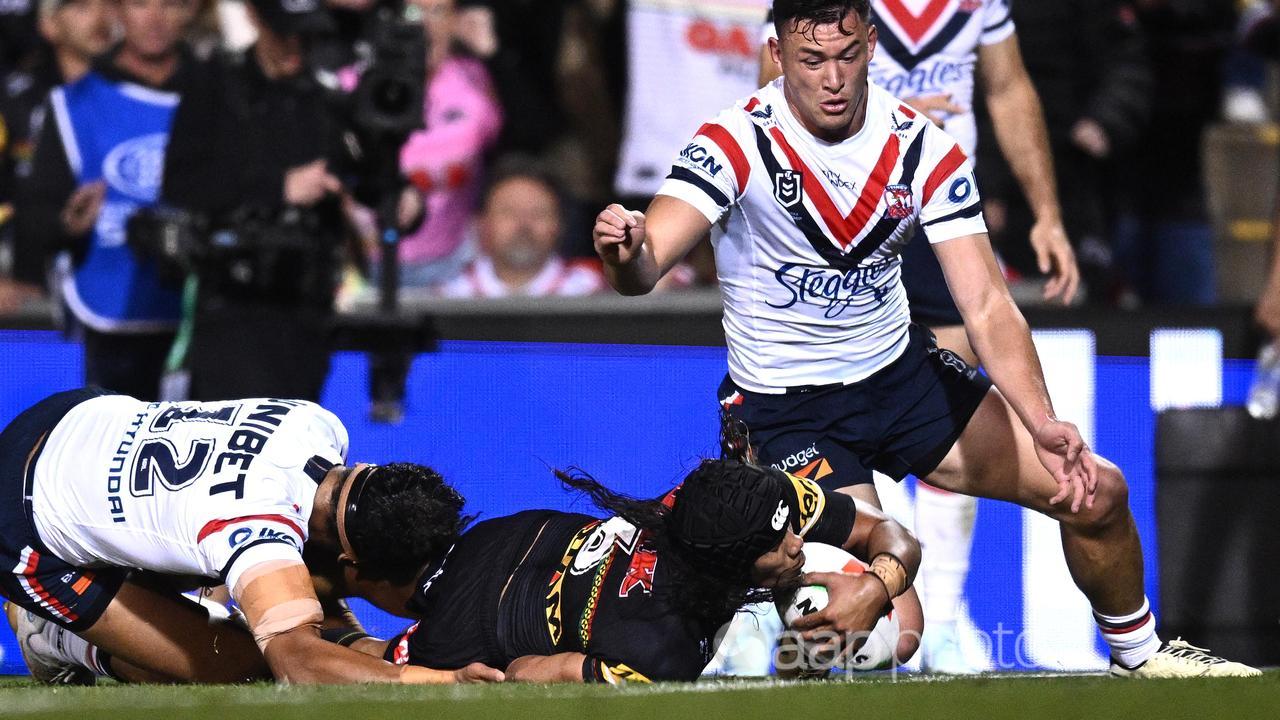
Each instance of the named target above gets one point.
<point>1110,502</point>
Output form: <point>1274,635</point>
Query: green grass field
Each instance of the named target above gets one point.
<point>1020,697</point>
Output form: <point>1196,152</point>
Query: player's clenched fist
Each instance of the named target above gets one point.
<point>618,234</point>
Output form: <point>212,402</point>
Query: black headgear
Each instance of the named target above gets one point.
<point>726,515</point>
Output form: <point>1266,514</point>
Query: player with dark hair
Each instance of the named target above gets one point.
<point>931,60</point>
<point>95,485</point>
<point>810,189</point>
<point>380,542</point>
<point>638,597</point>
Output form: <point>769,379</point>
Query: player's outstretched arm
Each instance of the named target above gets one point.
<point>562,667</point>
<point>857,601</point>
<point>875,533</point>
<point>285,616</point>
<point>1020,130</point>
<point>1002,340</point>
<point>637,248</point>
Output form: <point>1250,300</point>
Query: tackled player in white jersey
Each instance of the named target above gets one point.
<point>809,189</point>
<point>96,488</point>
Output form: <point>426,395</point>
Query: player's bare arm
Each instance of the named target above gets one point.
<point>1267,313</point>
<point>858,601</point>
<point>1024,141</point>
<point>637,248</point>
<point>561,667</point>
<point>1001,338</point>
<point>285,616</point>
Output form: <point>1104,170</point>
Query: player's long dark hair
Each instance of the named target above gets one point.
<point>695,593</point>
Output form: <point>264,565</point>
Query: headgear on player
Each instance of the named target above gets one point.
<point>726,515</point>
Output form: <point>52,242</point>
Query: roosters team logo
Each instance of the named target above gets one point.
<point>901,204</point>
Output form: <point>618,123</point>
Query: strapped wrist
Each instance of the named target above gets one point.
<point>890,571</point>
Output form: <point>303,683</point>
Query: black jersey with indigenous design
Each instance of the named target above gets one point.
<point>544,582</point>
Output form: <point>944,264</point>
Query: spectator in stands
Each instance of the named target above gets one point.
<point>1088,62</point>
<point>519,231</point>
<point>97,162</point>
<point>1164,243</point>
<point>559,64</point>
<point>76,31</point>
<point>446,160</point>
<point>1267,313</point>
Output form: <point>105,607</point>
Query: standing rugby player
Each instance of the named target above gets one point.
<point>94,485</point>
<point>927,52</point>
<point>812,187</point>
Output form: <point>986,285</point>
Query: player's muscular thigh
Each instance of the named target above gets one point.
<point>995,458</point>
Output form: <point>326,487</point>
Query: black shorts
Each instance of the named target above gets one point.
<point>903,419</point>
<point>927,291</point>
<point>31,576</point>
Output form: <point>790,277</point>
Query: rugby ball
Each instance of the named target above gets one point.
<point>798,657</point>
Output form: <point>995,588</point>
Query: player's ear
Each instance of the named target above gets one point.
<point>775,51</point>
<point>873,36</point>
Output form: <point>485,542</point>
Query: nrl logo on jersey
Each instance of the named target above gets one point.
<point>788,189</point>
<point>899,201</point>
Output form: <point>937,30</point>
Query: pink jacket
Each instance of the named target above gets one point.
<point>446,160</point>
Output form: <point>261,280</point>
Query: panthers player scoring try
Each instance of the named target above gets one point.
<point>638,597</point>
<point>546,596</point>
<point>810,188</point>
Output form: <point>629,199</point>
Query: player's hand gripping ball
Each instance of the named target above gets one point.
<point>800,658</point>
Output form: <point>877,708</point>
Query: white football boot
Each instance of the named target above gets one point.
<point>36,638</point>
<point>1179,659</point>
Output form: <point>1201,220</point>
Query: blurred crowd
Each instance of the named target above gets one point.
<point>535,115</point>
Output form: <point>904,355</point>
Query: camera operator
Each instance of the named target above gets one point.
<point>258,152</point>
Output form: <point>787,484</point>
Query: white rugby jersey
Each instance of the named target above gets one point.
<point>807,233</point>
<point>698,56</point>
<point>204,489</point>
<point>930,47</point>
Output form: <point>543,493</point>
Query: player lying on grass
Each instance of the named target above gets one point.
<point>562,597</point>
<point>95,485</point>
